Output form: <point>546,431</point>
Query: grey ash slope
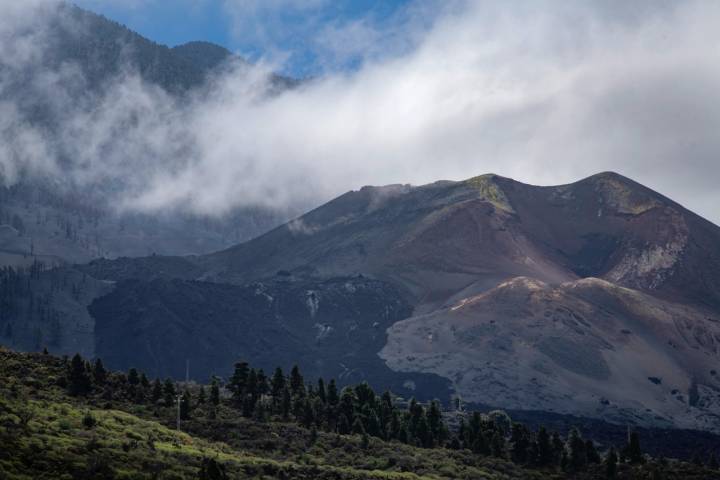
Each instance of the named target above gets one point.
<point>587,347</point>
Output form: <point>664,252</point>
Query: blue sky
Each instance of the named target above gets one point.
<point>291,33</point>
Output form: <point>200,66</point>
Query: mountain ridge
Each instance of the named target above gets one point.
<point>622,199</point>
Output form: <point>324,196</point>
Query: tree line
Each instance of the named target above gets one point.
<point>353,410</point>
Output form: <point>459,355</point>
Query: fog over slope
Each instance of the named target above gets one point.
<point>84,102</point>
<point>542,92</point>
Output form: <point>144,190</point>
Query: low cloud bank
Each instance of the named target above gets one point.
<point>543,92</point>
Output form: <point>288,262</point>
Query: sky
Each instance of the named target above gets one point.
<point>284,32</point>
<point>542,91</point>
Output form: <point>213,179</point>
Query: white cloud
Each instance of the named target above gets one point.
<point>544,92</point>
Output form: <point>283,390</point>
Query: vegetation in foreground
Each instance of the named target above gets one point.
<point>68,419</point>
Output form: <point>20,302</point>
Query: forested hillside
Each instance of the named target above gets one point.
<point>68,418</point>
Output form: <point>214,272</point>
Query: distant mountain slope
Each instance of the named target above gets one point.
<point>205,56</point>
<point>212,59</point>
<point>86,52</point>
<point>57,226</point>
<point>327,326</point>
<point>74,57</point>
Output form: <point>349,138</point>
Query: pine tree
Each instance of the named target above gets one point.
<point>611,461</point>
<point>169,392</point>
<point>564,461</point>
<point>78,378</point>
<point>578,455</point>
<point>343,425</point>
<point>156,391</point>
<point>212,470</point>
<point>501,420</point>
<point>251,388</point>
<point>297,407</point>
<point>238,381</point>
<point>558,448</point>
<point>357,427</point>
<point>133,377</point>
<point>322,395</point>
<point>365,394</point>
<point>371,422</point>
<point>347,402</point>
<point>633,452</point>
<point>423,433</point>
<point>99,373</point>
<point>248,406</point>
<point>308,414</point>
<point>260,412</point>
<point>365,441</point>
<point>297,383</point>
<point>520,444</point>
<point>591,452</point>
<point>332,393</point>
<point>386,415</point>
<point>262,383</point>
<point>713,462</point>
<point>463,432</point>
<point>475,426</point>
<point>416,411</point>
<point>395,425</point>
<point>498,444</point>
<point>286,403</point>
<point>89,421</point>
<point>480,444</point>
<point>313,435</point>
<point>404,433</point>
<point>435,422</point>
<point>139,396</point>
<point>214,392</point>
<point>144,381</point>
<point>277,384</point>
<point>545,454</point>
<point>185,406</point>
<point>201,395</point>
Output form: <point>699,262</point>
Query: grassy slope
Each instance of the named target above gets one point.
<point>42,432</point>
<point>43,436</point>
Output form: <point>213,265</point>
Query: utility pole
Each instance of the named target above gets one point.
<point>187,370</point>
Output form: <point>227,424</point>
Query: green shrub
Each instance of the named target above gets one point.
<point>89,421</point>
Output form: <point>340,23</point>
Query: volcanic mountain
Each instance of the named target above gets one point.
<point>599,298</point>
<point>449,240</point>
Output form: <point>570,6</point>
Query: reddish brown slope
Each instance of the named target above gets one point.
<point>447,240</point>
